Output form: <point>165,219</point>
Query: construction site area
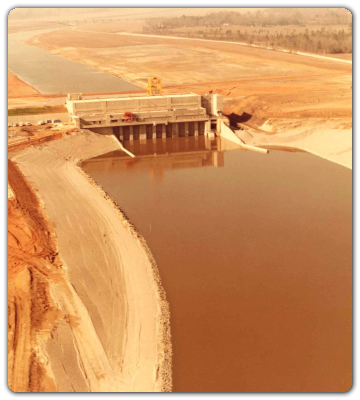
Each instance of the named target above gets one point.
<point>140,190</point>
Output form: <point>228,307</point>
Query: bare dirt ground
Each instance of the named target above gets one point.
<point>20,92</point>
<point>23,140</point>
<point>329,139</point>
<point>18,88</point>
<point>21,25</point>
<point>102,321</point>
<point>343,56</point>
<point>258,84</point>
<point>32,262</point>
<point>128,25</point>
<point>115,333</point>
<point>22,95</point>
<point>177,61</point>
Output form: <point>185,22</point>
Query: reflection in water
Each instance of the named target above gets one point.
<point>255,258</point>
<point>159,154</point>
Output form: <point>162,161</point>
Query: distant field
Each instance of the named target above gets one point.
<point>15,26</point>
<point>136,25</point>
<point>334,39</point>
<point>261,82</point>
<point>257,81</point>
<point>135,58</point>
<point>342,56</point>
<point>132,25</point>
<point>36,110</point>
<point>286,29</point>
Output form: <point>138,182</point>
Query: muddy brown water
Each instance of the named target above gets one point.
<point>255,255</point>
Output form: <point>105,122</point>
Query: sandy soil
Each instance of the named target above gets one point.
<point>261,84</point>
<point>329,139</point>
<point>316,116</point>
<point>21,142</point>
<point>102,319</point>
<point>18,88</point>
<point>116,333</point>
<point>177,61</point>
<point>32,314</point>
<point>344,56</point>
<point>128,25</point>
<point>21,25</point>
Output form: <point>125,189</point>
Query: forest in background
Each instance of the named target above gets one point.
<point>317,30</point>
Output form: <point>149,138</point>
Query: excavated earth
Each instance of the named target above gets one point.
<point>86,308</point>
<point>271,92</point>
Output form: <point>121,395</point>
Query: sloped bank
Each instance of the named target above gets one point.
<point>329,139</point>
<point>117,335</point>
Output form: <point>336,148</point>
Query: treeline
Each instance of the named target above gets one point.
<point>264,17</point>
<point>326,40</point>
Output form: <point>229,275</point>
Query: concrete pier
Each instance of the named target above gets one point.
<point>146,117</point>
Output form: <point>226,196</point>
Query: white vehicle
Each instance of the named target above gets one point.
<point>21,124</point>
<point>27,124</point>
<point>15,124</point>
<point>41,123</point>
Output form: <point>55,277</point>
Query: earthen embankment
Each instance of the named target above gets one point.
<point>116,336</point>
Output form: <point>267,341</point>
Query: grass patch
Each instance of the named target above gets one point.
<point>36,110</point>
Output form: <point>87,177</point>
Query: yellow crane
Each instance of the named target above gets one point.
<point>154,86</point>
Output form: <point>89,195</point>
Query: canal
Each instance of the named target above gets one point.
<point>50,73</point>
<point>255,255</point>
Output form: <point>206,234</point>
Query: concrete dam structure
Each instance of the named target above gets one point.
<point>134,117</point>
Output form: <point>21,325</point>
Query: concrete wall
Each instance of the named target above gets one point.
<point>227,133</point>
<point>146,110</point>
<point>104,131</point>
<point>213,103</point>
<point>133,104</point>
<point>152,131</point>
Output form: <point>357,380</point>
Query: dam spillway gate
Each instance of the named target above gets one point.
<point>141,118</point>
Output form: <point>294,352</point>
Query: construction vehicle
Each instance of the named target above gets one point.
<point>128,116</point>
<point>154,86</point>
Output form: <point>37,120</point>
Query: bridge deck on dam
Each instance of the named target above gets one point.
<point>134,117</point>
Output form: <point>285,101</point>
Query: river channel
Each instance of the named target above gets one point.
<point>50,73</point>
<point>255,256</point>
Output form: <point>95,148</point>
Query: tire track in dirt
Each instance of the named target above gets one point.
<point>32,315</point>
<point>117,333</point>
<point>36,279</point>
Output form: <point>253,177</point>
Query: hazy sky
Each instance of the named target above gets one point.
<point>81,13</point>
